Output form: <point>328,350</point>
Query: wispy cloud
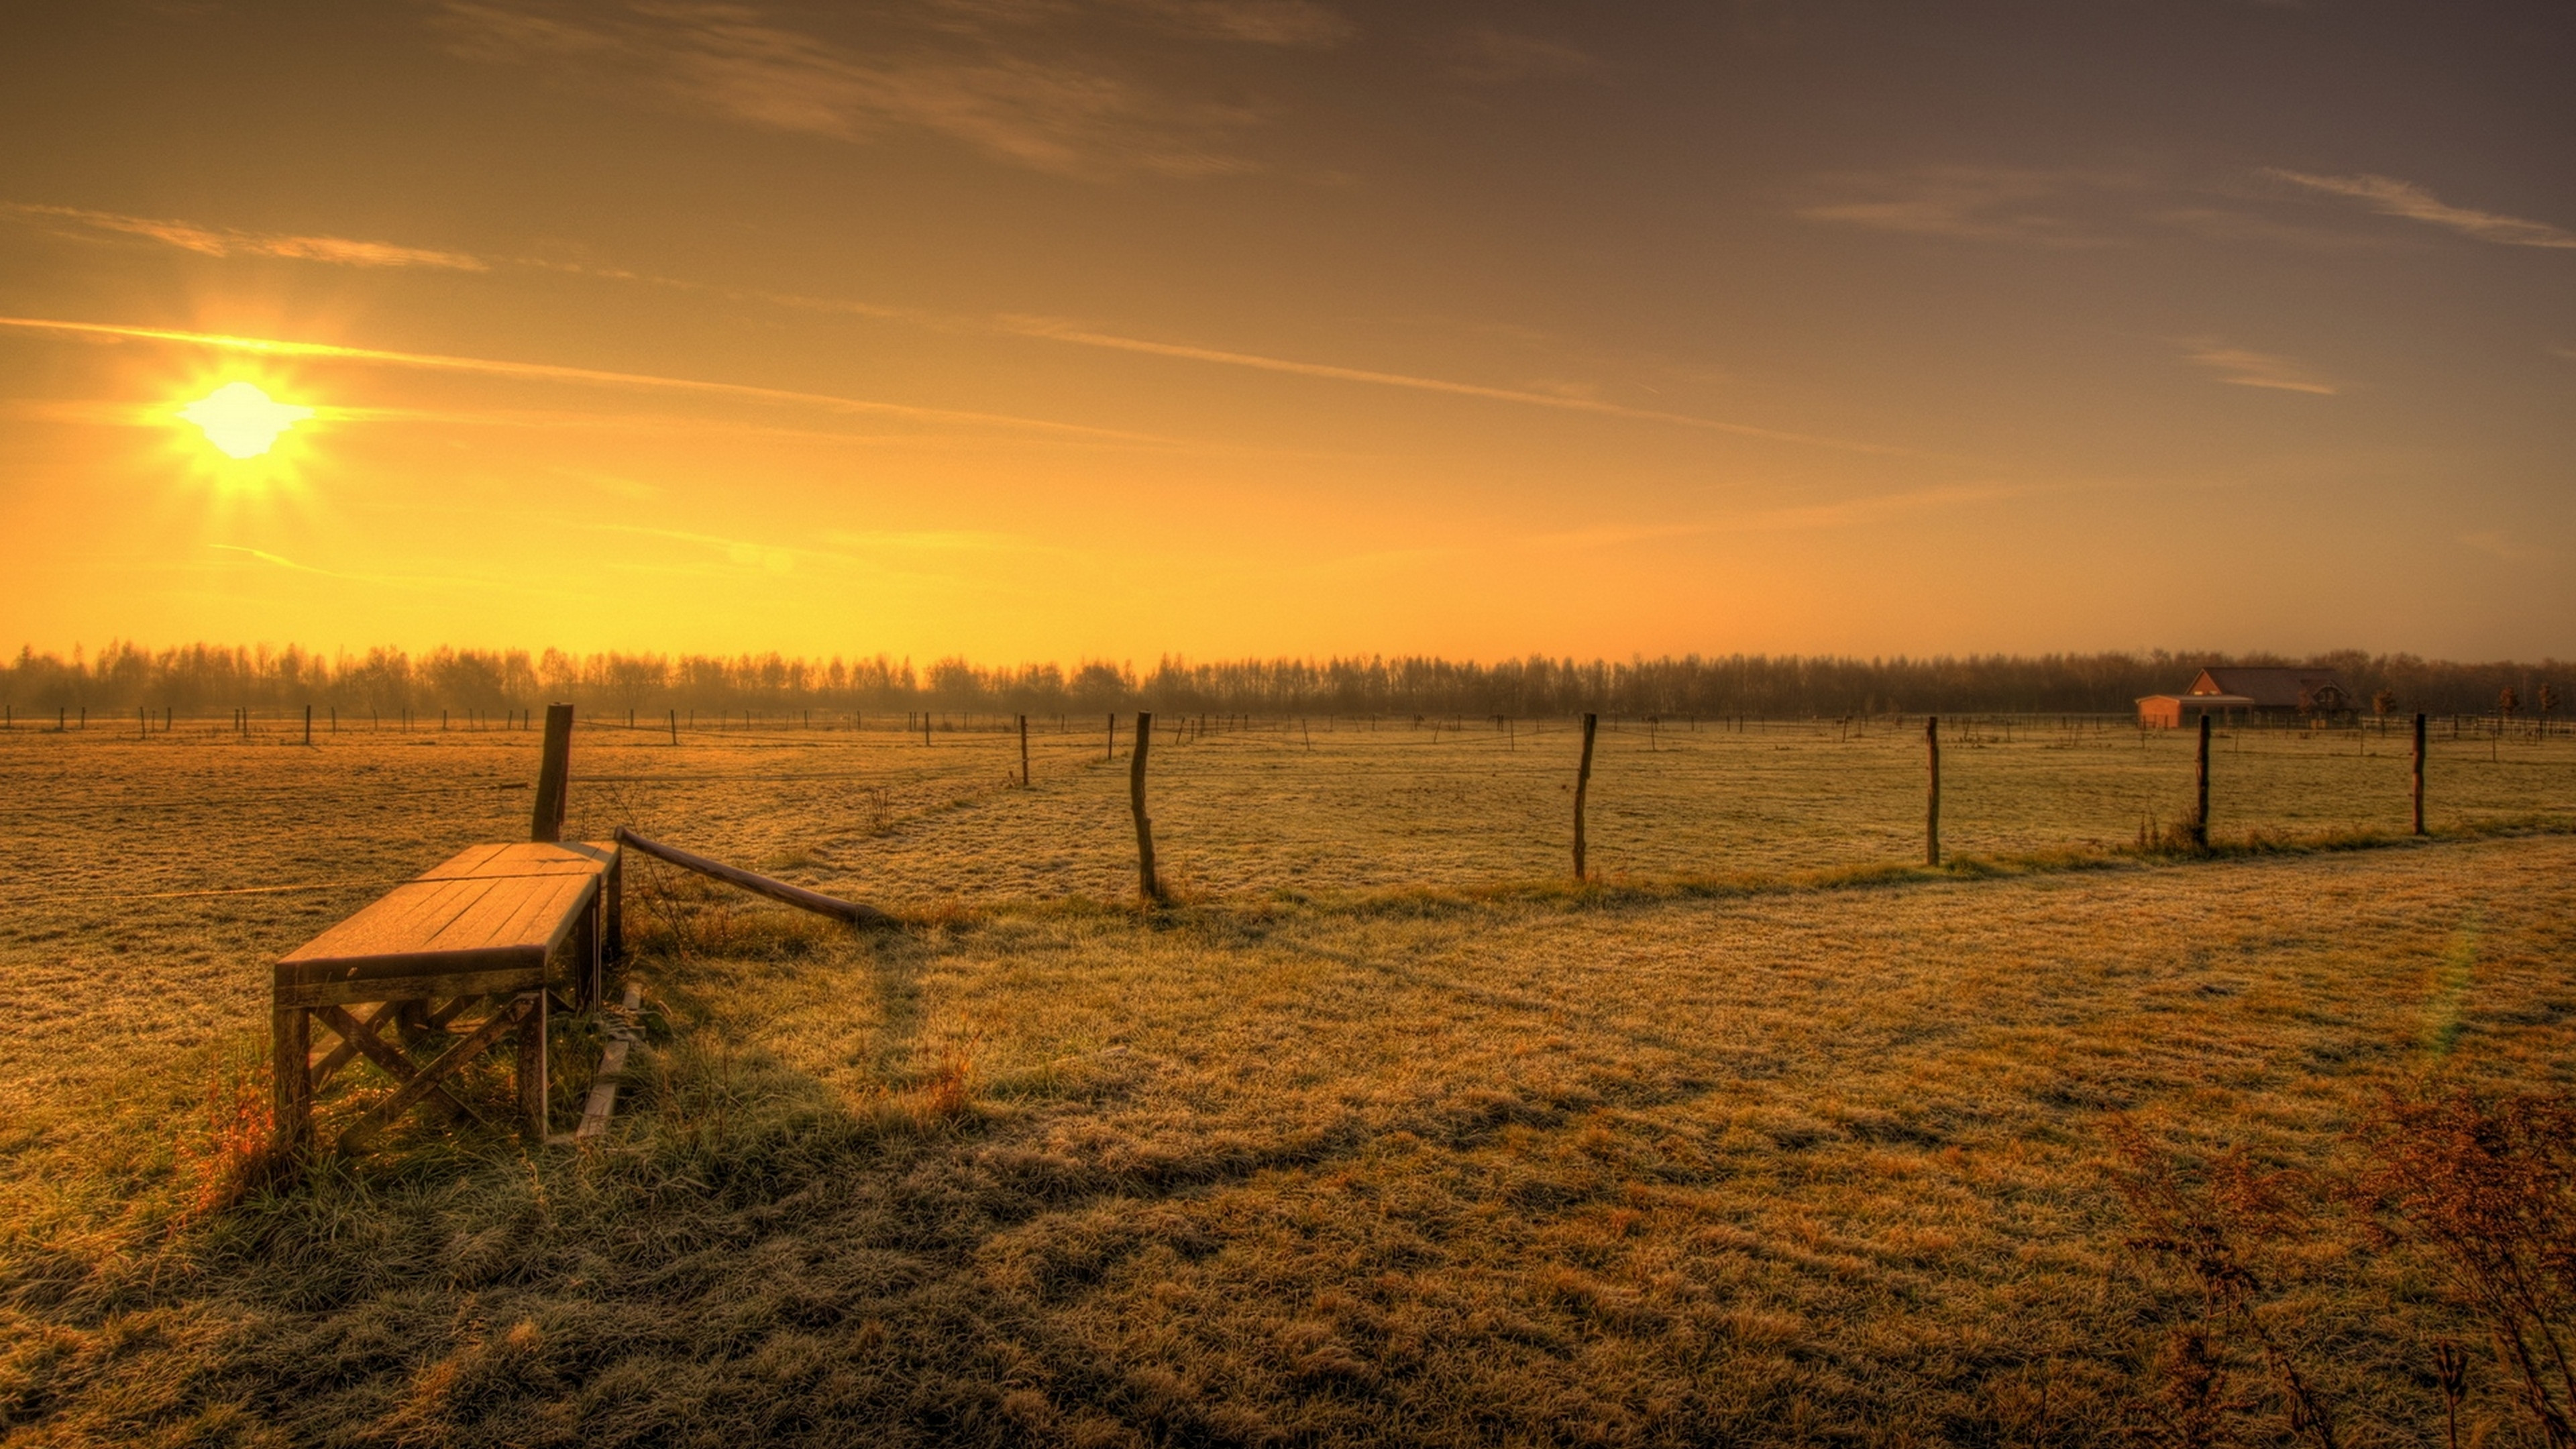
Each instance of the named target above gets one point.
<point>549,372</point>
<point>1797,518</point>
<point>227,241</point>
<point>871,549</point>
<point>741,553</point>
<point>1573,395</point>
<point>2237,223</point>
<point>2067,207</point>
<point>2496,543</point>
<point>938,540</point>
<point>1068,332</point>
<point>1299,23</point>
<point>443,584</point>
<point>2391,197</point>
<point>973,80</point>
<point>1304,24</point>
<point>264,556</point>
<point>1569,398</point>
<point>1974,203</point>
<point>2257,369</point>
<point>1878,507</point>
<point>1488,56</point>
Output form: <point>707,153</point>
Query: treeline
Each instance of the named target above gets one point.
<point>200,678</point>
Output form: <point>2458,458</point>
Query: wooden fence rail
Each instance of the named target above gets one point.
<point>777,890</point>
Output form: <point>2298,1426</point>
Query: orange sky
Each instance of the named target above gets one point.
<point>1043,329</point>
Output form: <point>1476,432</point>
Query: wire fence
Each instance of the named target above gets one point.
<point>887,811</point>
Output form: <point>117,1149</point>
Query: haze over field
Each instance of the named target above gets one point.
<point>1046,330</point>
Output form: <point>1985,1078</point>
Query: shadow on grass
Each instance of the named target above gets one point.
<point>751,1254</point>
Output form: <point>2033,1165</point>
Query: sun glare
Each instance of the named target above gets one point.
<point>242,421</point>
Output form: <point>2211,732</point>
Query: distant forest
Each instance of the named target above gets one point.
<point>203,678</point>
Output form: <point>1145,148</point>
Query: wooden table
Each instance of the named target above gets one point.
<point>490,923</point>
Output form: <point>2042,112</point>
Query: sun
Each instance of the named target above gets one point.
<point>242,421</point>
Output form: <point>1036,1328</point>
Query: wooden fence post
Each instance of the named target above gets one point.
<point>308,724</point>
<point>1111,752</point>
<point>1582,786</point>
<point>1932,805</point>
<point>674,717</point>
<point>2200,787</point>
<point>552,774</point>
<point>2419,773</point>
<point>1024,752</point>
<point>1150,884</point>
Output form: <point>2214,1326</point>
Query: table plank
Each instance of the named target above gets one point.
<point>511,911</point>
<point>529,858</point>
<point>409,914</point>
<point>487,908</point>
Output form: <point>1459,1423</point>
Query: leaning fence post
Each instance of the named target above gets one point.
<point>2419,772</point>
<point>1582,786</point>
<point>2200,807</point>
<point>1932,805</point>
<point>552,774</point>
<point>1150,884</point>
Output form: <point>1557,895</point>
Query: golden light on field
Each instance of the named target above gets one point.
<point>241,420</point>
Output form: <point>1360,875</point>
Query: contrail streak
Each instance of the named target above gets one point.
<point>1040,328</point>
<point>550,372</point>
<point>265,556</point>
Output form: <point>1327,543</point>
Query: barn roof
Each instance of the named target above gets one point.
<point>2269,688</point>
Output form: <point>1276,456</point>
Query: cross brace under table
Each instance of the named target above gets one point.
<point>518,926</point>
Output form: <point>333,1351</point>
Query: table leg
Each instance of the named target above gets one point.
<point>532,1062</point>
<point>291,1075</point>
<point>613,948</point>
<point>585,946</point>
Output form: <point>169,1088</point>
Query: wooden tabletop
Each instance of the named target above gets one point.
<point>486,908</point>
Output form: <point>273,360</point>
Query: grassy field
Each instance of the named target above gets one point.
<point>1377,1135</point>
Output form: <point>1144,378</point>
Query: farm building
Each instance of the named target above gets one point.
<point>2250,692</point>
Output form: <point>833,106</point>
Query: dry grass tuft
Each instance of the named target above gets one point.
<point>2477,1190</point>
<point>951,1088</point>
<point>2485,1188</point>
<point>225,1153</point>
<point>2224,1224</point>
